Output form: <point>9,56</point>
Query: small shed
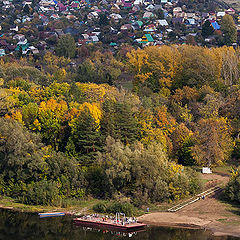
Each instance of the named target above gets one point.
<point>206,170</point>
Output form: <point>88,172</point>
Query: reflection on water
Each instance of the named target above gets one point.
<point>23,226</point>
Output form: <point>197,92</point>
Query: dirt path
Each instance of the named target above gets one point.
<point>209,213</point>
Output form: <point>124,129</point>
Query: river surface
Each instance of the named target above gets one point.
<point>26,226</point>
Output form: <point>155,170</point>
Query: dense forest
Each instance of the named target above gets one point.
<point>132,124</point>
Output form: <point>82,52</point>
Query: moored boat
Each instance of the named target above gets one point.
<point>51,214</point>
<point>124,224</point>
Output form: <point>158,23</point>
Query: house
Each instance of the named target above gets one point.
<point>206,170</point>
<point>215,25</point>
<point>220,15</point>
<point>147,38</point>
<point>115,8</point>
<point>136,8</point>
<point>71,17</point>
<point>177,10</point>
<point>190,22</point>
<point>22,45</point>
<point>177,21</point>
<point>59,32</point>
<point>137,25</point>
<point>2,52</point>
<point>164,1</point>
<point>92,15</point>
<point>61,7</point>
<point>15,29</point>
<point>168,6</point>
<point>148,15</point>
<point>149,30</point>
<point>46,3</point>
<point>230,11</point>
<point>150,7</point>
<point>162,23</point>
<point>29,3</point>
<point>19,37</point>
<point>138,2</point>
<point>115,16</point>
<point>32,50</point>
<point>54,16</point>
<point>127,5</point>
<point>146,2</point>
<point>126,27</point>
<point>93,39</point>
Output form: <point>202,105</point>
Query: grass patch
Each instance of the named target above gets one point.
<point>221,219</point>
<point>222,170</point>
<point>72,205</point>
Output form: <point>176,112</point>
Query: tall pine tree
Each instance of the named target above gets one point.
<point>85,140</point>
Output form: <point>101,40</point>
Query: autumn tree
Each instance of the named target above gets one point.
<point>195,69</point>
<point>229,29</point>
<point>183,140</point>
<point>214,143</point>
<point>50,121</point>
<point>154,67</point>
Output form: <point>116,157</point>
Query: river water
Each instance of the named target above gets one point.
<point>26,226</point>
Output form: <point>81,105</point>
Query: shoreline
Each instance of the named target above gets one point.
<point>171,220</point>
<point>166,219</point>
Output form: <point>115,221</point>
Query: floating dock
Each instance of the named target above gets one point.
<point>51,214</point>
<point>109,224</point>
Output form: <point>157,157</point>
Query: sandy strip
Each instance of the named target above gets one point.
<point>168,219</point>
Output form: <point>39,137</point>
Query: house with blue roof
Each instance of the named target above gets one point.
<point>2,52</point>
<point>215,25</point>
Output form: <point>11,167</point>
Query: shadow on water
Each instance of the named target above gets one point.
<point>25,226</point>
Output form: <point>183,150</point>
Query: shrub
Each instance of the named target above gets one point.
<point>232,190</point>
<point>42,193</point>
<point>126,208</point>
<point>99,208</point>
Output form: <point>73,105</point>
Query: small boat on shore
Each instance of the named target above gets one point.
<point>51,214</point>
<point>124,224</point>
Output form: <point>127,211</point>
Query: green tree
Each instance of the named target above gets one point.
<point>229,30</point>
<point>126,124</point>
<point>103,20</point>
<point>207,29</point>
<point>85,139</point>
<point>66,46</point>
<point>232,190</point>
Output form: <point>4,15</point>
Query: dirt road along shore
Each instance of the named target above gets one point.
<point>209,213</point>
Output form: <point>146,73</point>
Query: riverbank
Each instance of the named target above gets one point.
<point>211,213</point>
<point>178,220</point>
<point>76,207</point>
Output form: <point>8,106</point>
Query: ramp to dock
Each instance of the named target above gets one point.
<point>194,199</point>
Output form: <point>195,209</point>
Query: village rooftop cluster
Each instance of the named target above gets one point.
<point>32,27</point>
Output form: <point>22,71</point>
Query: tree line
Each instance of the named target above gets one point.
<point>71,132</point>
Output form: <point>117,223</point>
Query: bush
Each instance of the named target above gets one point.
<point>232,190</point>
<point>115,207</point>
<point>99,208</point>
<point>126,208</point>
<point>42,193</point>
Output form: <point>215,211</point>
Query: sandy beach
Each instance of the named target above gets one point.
<point>210,214</point>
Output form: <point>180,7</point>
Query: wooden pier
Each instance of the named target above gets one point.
<point>109,224</point>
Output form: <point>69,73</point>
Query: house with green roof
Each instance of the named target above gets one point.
<point>147,38</point>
